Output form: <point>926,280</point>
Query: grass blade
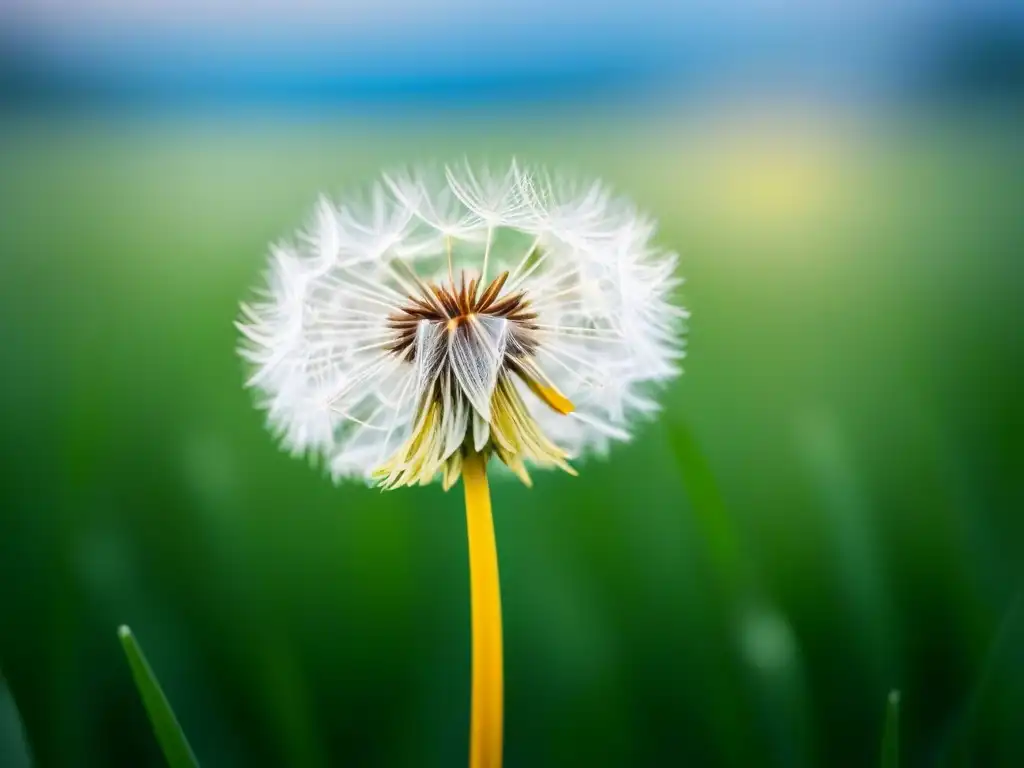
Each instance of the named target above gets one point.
<point>14,751</point>
<point>168,731</point>
<point>727,552</point>
<point>891,735</point>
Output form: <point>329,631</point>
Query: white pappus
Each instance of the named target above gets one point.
<point>462,310</point>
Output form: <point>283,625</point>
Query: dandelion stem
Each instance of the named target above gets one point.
<point>487,256</point>
<point>451,267</point>
<point>485,595</point>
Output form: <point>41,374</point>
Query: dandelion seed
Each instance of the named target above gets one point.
<point>457,316</point>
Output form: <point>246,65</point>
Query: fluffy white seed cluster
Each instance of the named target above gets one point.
<point>462,310</point>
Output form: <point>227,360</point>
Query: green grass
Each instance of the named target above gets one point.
<point>827,507</point>
<point>165,725</point>
<point>891,735</point>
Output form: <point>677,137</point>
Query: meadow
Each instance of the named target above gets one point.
<point>828,508</point>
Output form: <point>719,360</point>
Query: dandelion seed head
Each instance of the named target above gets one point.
<point>463,309</point>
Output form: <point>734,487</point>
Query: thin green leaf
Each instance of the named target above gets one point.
<point>14,751</point>
<point>998,657</point>
<point>168,731</point>
<point>726,550</point>
<point>891,735</point>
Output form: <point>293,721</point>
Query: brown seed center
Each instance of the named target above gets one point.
<point>453,306</point>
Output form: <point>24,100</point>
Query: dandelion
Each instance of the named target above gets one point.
<point>452,316</point>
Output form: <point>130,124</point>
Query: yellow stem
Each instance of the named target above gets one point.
<point>485,592</point>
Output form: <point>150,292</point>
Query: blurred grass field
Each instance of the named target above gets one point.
<point>829,507</point>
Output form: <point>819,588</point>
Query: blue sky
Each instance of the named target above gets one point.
<point>386,49</point>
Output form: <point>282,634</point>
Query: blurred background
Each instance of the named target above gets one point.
<point>830,506</point>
